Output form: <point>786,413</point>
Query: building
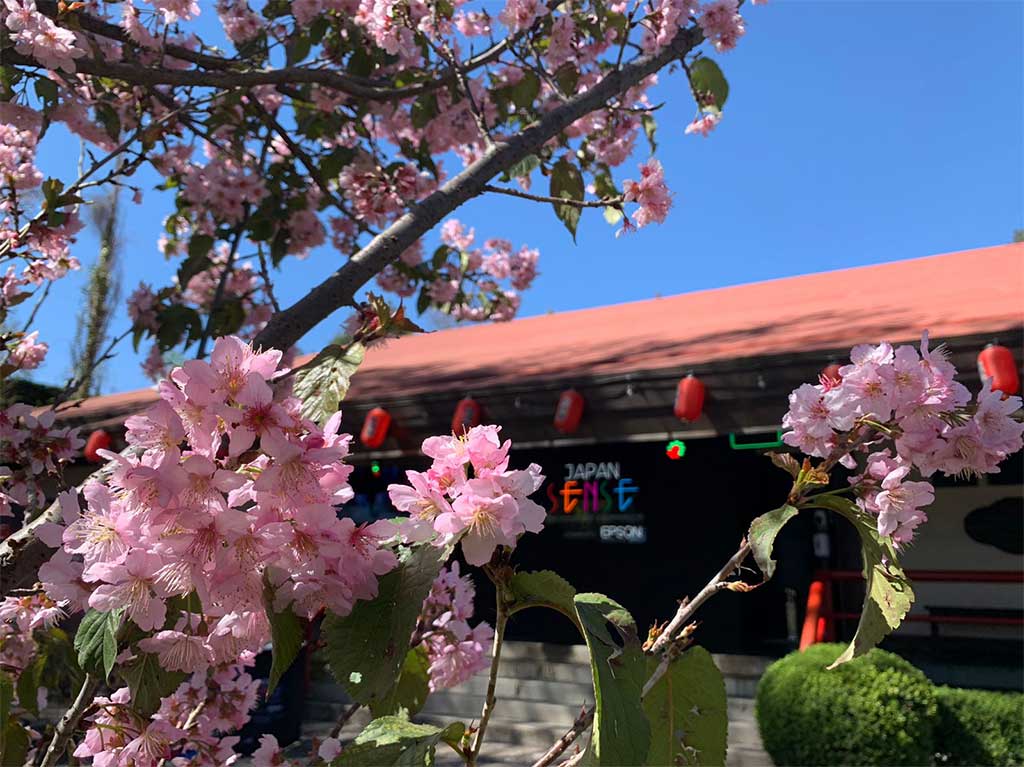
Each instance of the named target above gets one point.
<point>645,527</point>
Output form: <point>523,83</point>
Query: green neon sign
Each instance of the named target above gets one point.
<point>777,442</point>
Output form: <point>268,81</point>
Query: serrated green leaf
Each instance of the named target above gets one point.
<point>323,382</point>
<point>708,83</point>
<point>286,636</point>
<point>543,588</point>
<point>149,682</point>
<point>567,183</point>
<point>46,89</point>
<point>393,740</point>
<point>177,322</point>
<point>621,734</point>
<point>650,129</point>
<point>761,536</point>
<point>366,649</point>
<point>412,688</point>
<point>888,594</point>
<point>688,712</point>
<point>96,642</point>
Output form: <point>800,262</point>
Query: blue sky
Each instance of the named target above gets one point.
<point>855,133</point>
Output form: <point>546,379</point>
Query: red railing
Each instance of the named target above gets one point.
<point>820,617</point>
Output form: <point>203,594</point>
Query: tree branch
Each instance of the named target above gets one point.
<point>288,326</point>
<point>66,726</point>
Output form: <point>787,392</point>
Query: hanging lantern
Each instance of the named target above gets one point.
<point>998,369</point>
<point>569,411</point>
<point>467,415</point>
<point>689,399</point>
<point>831,373</point>
<point>98,440</point>
<point>375,428</point>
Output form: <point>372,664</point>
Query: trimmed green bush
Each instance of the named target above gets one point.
<point>876,710</point>
<point>977,727</point>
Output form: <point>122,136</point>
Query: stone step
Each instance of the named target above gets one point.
<point>552,653</point>
<point>458,705</point>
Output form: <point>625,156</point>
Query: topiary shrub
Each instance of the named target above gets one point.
<point>977,727</point>
<point>876,710</point>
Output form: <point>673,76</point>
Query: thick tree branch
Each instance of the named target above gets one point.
<point>288,326</point>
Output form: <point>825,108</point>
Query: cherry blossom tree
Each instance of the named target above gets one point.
<point>365,124</point>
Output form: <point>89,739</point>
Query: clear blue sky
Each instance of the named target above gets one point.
<point>855,133</point>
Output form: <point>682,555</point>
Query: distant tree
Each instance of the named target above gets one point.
<point>1018,235</point>
<point>100,295</point>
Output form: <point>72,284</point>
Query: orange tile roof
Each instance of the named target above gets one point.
<point>957,294</point>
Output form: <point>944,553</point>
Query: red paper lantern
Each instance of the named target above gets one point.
<point>467,415</point>
<point>998,369</point>
<point>375,427</point>
<point>569,411</point>
<point>98,440</point>
<point>831,373</point>
<point>689,399</point>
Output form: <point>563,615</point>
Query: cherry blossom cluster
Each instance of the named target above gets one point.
<point>456,652</point>
<point>470,495</point>
<point>462,280</point>
<point>903,409</point>
<point>27,352</point>
<point>190,721</point>
<point>20,618</point>
<point>650,193</point>
<point>198,510</point>
<point>36,35</point>
<point>31,448</point>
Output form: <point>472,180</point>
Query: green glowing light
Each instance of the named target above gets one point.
<point>675,449</point>
<point>777,442</point>
<point>375,468</point>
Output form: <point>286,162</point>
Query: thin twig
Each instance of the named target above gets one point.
<point>66,726</point>
<point>583,721</point>
<point>605,203</point>
<point>347,714</point>
<point>687,608</point>
<point>492,681</point>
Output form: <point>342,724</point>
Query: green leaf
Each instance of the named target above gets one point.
<point>109,118</point>
<point>621,734</point>
<point>761,536</point>
<point>524,167</point>
<point>96,642</point>
<point>14,743</point>
<point>888,595</point>
<point>28,683</point>
<point>424,109</point>
<point>331,164</point>
<point>366,650</point>
<point>650,128</point>
<point>567,76</point>
<point>710,87</point>
<point>524,92</point>
<point>227,318</point>
<point>544,588</point>
<point>46,89</point>
<point>687,711</point>
<point>149,682</point>
<point>297,48</point>
<point>612,215</point>
<point>567,183</point>
<point>198,260</point>
<point>6,695</point>
<point>177,322</point>
<point>286,636</point>
<point>393,740</point>
<point>412,688</point>
<point>323,382</point>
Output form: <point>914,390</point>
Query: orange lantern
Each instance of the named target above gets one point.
<point>375,427</point>
<point>467,415</point>
<point>569,411</point>
<point>689,399</point>
<point>998,369</point>
<point>98,440</point>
